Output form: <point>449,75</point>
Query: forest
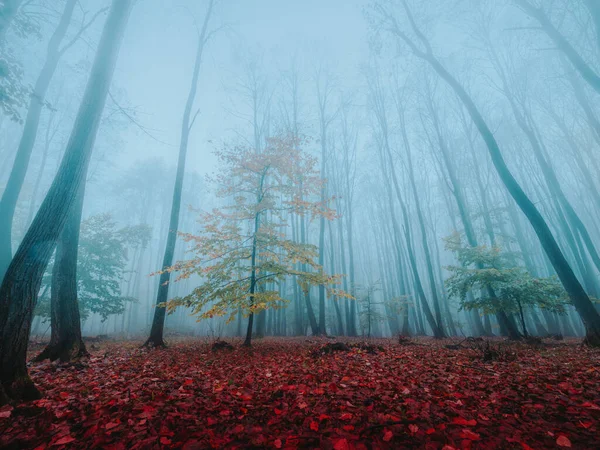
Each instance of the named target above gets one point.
<point>332,224</point>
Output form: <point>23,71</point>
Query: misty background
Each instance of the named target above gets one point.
<point>374,96</point>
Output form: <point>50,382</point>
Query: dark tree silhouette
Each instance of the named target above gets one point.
<point>156,338</point>
<point>21,284</point>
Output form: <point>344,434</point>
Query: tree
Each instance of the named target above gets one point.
<point>577,294</point>
<point>11,193</point>
<point>424,240</point>
<point>101,261</point>
<point>8,11</point>
<point>562,43</point>
<point>158,323</point>
<point>388,169</point>
<point>324,90</point>
<point>23,278</point>
<point>369,311</point>
<point>459,194</point>
<point>13,92</point>
<point>243,248</point>
<point>515,288</point>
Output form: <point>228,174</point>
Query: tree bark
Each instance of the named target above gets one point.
<point>14,184</point>
<point>338,313</point>
<point>66,342</point>
<point>248,340</point>
<point>23,278</point>
<point>156,338</point>
<point>312,320</point>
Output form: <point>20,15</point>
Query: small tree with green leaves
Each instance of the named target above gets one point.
<point>243,250</point>
<point>515,288</point>
<point>101,262</point>
<point>369,310</point>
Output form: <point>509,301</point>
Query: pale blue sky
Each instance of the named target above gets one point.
<point>157,59</point>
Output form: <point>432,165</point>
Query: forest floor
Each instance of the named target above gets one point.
<point>293,393</point>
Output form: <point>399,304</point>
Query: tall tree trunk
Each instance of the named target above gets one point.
<point>507,326</point>
<point>389,171</point>
<point>437,331</point>
<point>584,102</point>
<point>312,320</point>
<point>584,69</point>
<point>23,278</point>
<point>156,338</point>
<point>338,313</point>
<point>38,181</point>
<point>298,307</point>
<point>322,326</point>
<point>66,343</point>
<point>30,129</point>
<point>423,230</point>
<point>350,237</point>
<point>577,294</point>
<point>253,270</point>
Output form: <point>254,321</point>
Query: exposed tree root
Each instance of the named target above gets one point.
<point>592,339</point>
<point>63,352</point>
<point>20,390</point>
<point>155,343</point>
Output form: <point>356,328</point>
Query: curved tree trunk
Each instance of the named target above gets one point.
<point>14,184</point>
<point>156,338</point>
<point>584,69</point>
<point>577,294</point>
<point>66,342</point>
<point>507,326</point>
<point>23,278</point>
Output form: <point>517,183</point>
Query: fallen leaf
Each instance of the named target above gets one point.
<point>65,440</point>
<point>341,444</point>
<point>563,441</point>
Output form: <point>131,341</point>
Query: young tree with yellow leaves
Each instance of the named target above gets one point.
<point>243,249</point>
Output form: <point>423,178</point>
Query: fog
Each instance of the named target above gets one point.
<point>443,175</point>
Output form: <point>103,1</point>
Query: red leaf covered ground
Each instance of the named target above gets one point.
<point>280,395</point>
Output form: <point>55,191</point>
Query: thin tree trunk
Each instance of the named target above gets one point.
<point>338,313</point>
<point>584,69</point>
<point>156,338</point>
<point>312,320</point>
<point>577,294</point>
<point>507,327</point>
<point>248,340</point>
<point>421,221</point>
